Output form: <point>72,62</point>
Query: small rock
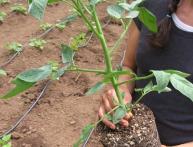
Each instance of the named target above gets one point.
<point>73,122</point>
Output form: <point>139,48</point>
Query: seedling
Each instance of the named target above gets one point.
<point>2,72</point>
<point>2,16</point>
<point>14,47</point>
<point>46,26</point>
<point>3,2</point>
<point>5,141</point>
<point>37,43</point>
<point>60,26</point>
<point>77,41</point>
<point>125,12</point>
<point>19,8</point>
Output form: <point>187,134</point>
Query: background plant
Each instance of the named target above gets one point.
<point>87,12</point>
<point>37,43</point>
<point>14,47</point>
<point>46,26</point>
<point>3,2</point>
<point>2,16</point>
<point>19,8</point>
<point>5,141</point>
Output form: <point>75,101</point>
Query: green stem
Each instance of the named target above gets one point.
<point>137,79</point>
<point>87,70</point>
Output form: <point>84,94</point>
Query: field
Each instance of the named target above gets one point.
<point>62,112</point>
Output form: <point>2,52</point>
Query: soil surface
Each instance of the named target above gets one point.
<point>141,132</point>
<point>58,118</point>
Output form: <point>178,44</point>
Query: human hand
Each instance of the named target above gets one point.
<point>107,104</point>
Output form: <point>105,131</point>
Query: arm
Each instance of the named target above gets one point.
<point>129,63</point>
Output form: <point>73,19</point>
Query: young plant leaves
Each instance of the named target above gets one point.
<point>37,8</point>
<point>148,19</point>
<point>2,73</point>
<point>84,135</point>
<point>67,54</point>
<point>177,72</point>
<point>95,88</point>
<point>94,2</point>
<point>20,87</point>
<point>120,112</point>
<point>115,11</point>
<point>162,79</point>
<point>182,85</point>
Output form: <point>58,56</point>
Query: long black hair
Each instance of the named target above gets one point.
<point>161,38</point>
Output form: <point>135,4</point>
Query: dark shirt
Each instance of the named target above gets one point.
<point>173,111</point>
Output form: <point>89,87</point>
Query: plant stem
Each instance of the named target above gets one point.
<point>107,56</point>
<point>87,70</point>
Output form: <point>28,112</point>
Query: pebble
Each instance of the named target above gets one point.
<point>73,122</point>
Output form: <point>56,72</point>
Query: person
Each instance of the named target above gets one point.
<point>169,48</point>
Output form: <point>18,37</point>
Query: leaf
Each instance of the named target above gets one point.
<point>177,72</point>
<point>37,8</point>
<point>21,86</point>
<point>94,2</point>
<point>162,79</point>
<point>132,14</point>
<point>2,72</point>
<point>67,54</point>
<point>35,75</point>
<point>6,138</point>
<point>148,87</point>
<point>148,19</point>
<point>182,85</point>
<point>95,88</point>
<point>84,135</point>
<point>115,11</point>
<point>132,5</point>
<point>120,112</point>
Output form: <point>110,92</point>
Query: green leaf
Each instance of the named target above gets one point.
<point>7,145</point>
<point>67,54</point>
<point>132,5</point>
<point>6,138</point>
<point>21,86</point>
<point>115,11</point>
<point>148,19</point>
<point>177,72</point>
<point>53,1</point>
<point>2,72</point>
<point>162,79</point>
<point>182,85</point>
<point>84,135</point>
<point>94,2</point>
<point>35,75</point>
<point>120,112</point>
<point>37,8</point>
<point>95,88</point>
<point>148,88</point>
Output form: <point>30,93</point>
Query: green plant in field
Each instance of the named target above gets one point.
<point>77,41</point>
<point>125,12</point>
<point>46,26</point>
<point>5,141</point>
<point>37,43</point>
<point>2,72</point>
<point>14,47</point>
<point>2,16</point>
<point>19,8</point>
<point>2,2</point>
<point>60,26</point>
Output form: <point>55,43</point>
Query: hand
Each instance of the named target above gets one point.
<point>107,104</point>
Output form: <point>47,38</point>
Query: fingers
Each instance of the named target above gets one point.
<point>105,120</point>
<point>128,116</point>
<point>106,104</point>
<point>124,123</point>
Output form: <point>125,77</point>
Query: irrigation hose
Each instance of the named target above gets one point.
<point>27,112</point>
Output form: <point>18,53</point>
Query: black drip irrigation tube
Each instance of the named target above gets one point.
<point>27,112</point>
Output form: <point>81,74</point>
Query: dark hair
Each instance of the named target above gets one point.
<point>161,38</point>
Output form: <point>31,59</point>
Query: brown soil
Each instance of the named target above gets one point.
<point>141,132</point>
<point>63,111</point>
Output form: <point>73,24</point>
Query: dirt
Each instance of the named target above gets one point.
<point>58,118</point>
<point>141,132</point>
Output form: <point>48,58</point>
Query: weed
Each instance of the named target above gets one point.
<point>2,72</point>
<point>77,41</point>
<point>5,141</point>
<point>3,2</point>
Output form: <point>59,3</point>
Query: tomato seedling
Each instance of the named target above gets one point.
<point>19,8</point>
<point>37,43</point>
<point>2,16</point>
<point>14,47</point>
